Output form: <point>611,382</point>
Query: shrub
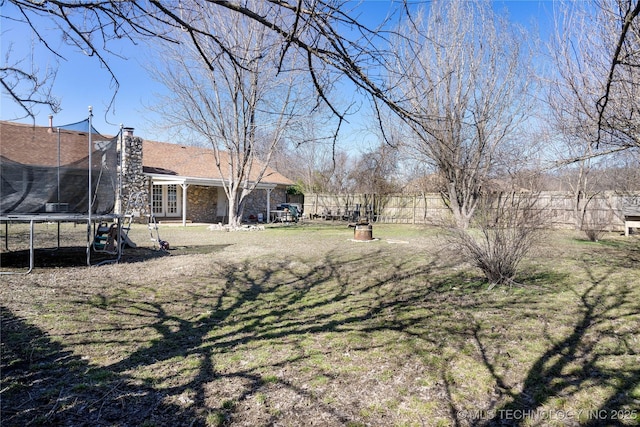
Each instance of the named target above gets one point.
<point>594,223</point>
<point>505,227</point>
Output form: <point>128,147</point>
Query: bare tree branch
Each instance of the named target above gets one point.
<point>316,27</point>
<point>630,15</point>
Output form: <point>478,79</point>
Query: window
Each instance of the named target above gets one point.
<point>156,200</point>
<point>165,200</point>
<point>172,199</point>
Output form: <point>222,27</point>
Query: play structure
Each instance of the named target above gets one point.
<point>67,174</point>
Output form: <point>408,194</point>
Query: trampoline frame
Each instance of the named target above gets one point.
<point>90,220</point>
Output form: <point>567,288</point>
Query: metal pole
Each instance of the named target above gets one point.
<point>89,236</point>
<point>58,200</point>
<point>268,218</point>
<point>32,254</point>
<point>58,188</point>
<point>31,249</point>
<point>90,186</point>
<point>90,159</point>
<point>119,201</point>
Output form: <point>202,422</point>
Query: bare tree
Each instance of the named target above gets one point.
<point>593,98</point>
<point>375,170</point>
<point>595,85</point>
<point>319,168</point>
<point>624,173</point>
<point>308,153</point>
<point>466,91</point>
<point>242,101</point>
<point>328,32</point>
<point>586,213</point>
<point>334,173</point>
<point>581,174</point>
<point>622,85</point>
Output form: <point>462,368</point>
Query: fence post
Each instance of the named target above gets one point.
<point>315,208</point>
<point>413,219</point>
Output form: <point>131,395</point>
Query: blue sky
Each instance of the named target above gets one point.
<point>81,82</point>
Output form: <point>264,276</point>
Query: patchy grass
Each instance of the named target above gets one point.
<point>299,325</point>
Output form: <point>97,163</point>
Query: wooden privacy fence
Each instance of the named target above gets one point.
<point>604,210</point>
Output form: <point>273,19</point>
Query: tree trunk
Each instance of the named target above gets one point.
<point>461,212</point>
<point>236,205</point>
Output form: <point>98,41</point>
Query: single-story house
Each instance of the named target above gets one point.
<point>186,184</point>
<point>46,166</point>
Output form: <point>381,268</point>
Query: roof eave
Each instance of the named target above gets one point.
<point>162,179</point>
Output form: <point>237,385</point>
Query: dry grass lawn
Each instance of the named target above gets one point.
<point>299,325</point>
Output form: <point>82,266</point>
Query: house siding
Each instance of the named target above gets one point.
<point>208,204</point>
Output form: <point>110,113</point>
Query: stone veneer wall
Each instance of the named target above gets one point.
<point>278,195</point>
<point>134,185</point>
<point>202,203</point>
<point>256,202</point>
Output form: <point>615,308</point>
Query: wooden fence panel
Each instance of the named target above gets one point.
<point>605,209</point>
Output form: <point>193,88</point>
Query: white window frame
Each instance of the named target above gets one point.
<point>162,208</point>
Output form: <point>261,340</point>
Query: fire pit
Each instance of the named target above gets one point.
<point>363,231</point>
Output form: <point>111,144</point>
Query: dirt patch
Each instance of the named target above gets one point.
<point>77,256</point>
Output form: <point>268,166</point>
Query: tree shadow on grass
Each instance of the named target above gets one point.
<point>246,304</point>
<point>237,345</point>
<point>45,384</point>
<point>596,354</point>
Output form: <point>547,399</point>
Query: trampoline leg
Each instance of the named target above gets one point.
<point>31,254</point>
<point>89,237</point>
<point>31,249</point>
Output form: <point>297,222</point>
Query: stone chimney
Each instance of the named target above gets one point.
<point>134,184</point>
<point>50,123</point>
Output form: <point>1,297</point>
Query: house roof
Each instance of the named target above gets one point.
<point>195,162</point>
<point>38,145</point>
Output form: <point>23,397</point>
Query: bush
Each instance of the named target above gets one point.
<point>505,227</point>
<point>595,223</point>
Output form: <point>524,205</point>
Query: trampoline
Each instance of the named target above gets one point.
<point>66,174</point>
<point>92,222</point>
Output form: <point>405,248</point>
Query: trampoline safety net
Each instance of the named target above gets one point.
<point>47,170</point>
